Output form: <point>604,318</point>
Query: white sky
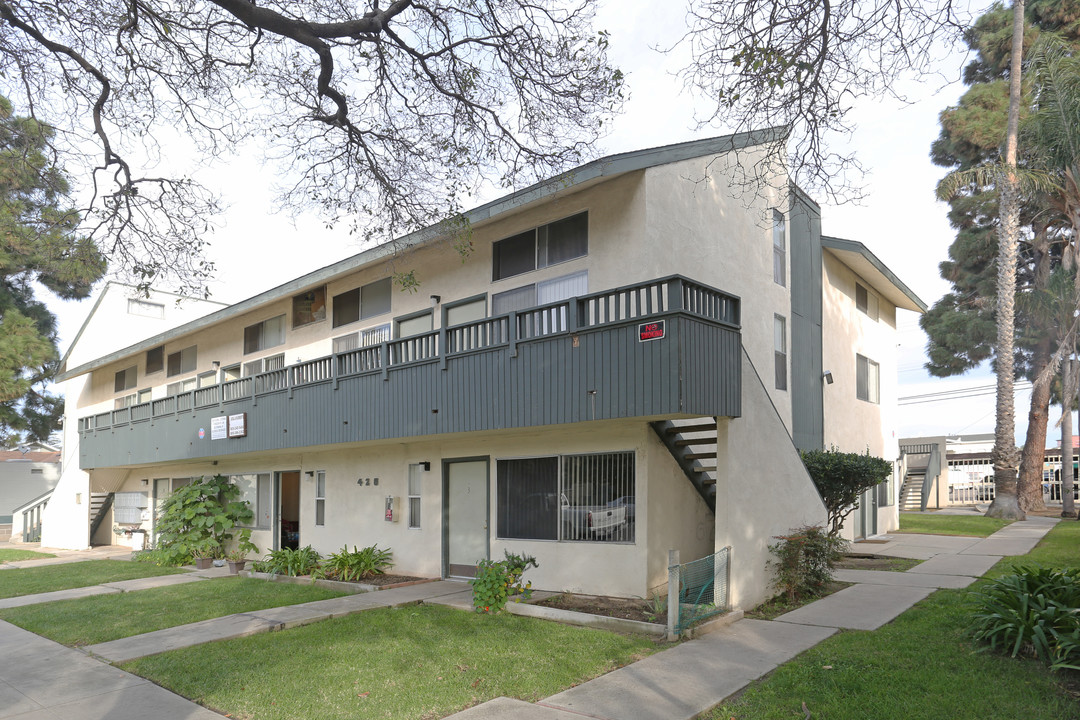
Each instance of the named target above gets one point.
<point>900,220</point>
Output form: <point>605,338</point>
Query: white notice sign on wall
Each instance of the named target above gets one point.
<point>219,427</point>
<point>238,425</point>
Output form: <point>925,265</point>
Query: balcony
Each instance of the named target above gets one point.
<point>665,347</point>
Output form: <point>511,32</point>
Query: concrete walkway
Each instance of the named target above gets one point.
<point>103,552</point>
<point>697,675</point>
<point>46,681</point>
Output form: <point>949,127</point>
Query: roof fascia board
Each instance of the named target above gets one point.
<point>605,167</point>
<point>853,246</point>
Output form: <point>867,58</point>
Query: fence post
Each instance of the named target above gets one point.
<point>673,595</point>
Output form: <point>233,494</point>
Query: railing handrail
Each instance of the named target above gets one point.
<point>429,347</point>
<point>29,504</point>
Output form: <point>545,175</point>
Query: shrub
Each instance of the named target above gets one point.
<point>286,561</point>
<point>496,581</point>
<point>154,557</point>
<point>841,478</point>
<point>804,560</point>
<point>200,518</point>
<point>358,564</point>
<point>1034,612</point>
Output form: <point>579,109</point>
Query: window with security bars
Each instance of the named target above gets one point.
<point>416,474</point>
<point>581,498</point>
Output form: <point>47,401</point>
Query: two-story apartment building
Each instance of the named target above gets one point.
<point>618,368</point>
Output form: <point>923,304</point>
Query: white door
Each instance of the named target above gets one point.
<point>466,516</point>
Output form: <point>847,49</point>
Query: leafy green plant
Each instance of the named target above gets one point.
<point>287,561</point>
<point>497,581</point>
<point>357,564</point>
<point>200,517</point>
<point>156,556</point>
<point>841,478</point>
<point>1034,612</point>
<point>804,560</point>
<point>244,547</point>
<point>657,606</point>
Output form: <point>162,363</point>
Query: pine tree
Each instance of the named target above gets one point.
<point>38,249</point>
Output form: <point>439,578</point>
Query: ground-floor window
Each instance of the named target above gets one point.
<point>587,498</point>
<point>416,473</point>
<point>320,498</point>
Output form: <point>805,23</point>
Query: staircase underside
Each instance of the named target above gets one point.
<point>692,443</point>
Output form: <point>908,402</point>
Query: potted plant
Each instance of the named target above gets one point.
<point>244,547</point>
<point>203,556</point>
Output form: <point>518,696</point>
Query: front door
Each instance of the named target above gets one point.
<point>866,515</point>
<point>288,509</point>
<point>465,507</point>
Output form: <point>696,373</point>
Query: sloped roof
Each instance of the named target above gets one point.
<point>32,456</point>
<point>571,181</point>
<point>867,265</point>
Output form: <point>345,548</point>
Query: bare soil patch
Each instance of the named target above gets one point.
<point>381,580</point>
<point>626,608</point>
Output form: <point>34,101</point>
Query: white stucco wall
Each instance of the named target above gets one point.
<point>674,515</point>
<point>762,490</point>
<point>851,424</point>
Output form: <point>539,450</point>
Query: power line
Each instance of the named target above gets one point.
<point>959,394</point>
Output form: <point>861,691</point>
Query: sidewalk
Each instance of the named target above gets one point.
<point>697,675</point>
<point>50,681</point>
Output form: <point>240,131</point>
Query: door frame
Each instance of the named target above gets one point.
<point>275,502</point>
<point>446,463</point>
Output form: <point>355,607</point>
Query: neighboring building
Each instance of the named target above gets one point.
<point>618,369</point>
<point>25,474</point>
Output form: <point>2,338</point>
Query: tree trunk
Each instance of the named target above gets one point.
<point>1029,482</point>
<point>1005,458</point>
<point>1068,383</point>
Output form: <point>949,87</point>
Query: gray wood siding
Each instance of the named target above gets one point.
<point>570,375</point>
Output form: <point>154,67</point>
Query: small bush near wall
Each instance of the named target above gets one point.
<point>841,478</point>
<point>804,560</point>
<point>361,564</point>
<point>497,581</point>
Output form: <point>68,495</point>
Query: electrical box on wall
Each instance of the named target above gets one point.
<point>391,514</point>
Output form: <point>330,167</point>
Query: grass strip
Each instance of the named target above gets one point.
<point>922,665</point>
<point>14,555</point>
<point>973,525</point>
<point>17,582</point>
<point>417,661</point>
<point>91,620</point>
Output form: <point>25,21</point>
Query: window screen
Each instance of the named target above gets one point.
<point>528,493</point>
<point>182,361</point>
<point>517,299</point>
<point>514,255</point>
<point>155,359</point>
<point>125,379</point>
<point>375,298</point>
<point>867,379</point>
<point>320,497</point>
<point>347,307</point>
<point>416,474</point>
<point>466,312</point>
<point>267,334</point>
<point>414,325</point>
<point>562,240</point>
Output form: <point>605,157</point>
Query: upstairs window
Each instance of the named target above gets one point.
<point>780,350</point>
<point>269,363</point>
<point>126,379</point>
<point>866,302</point>
<point>182,361</point>
<point>362,338</point>
<point>362,303</point>
<point>267,334</point>
<point>309,307</point>
<point>867,379</point>
<point>542,293</point>
<point>416,324</point>
<point>541,247</point>
<point>779,248</point>
<point>155,359</point>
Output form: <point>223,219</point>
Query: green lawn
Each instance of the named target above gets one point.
<point>417,661</point>
<point>101,618</point>
<point>15,582</point>
<point>13,555</point>
<point>974,525</point>
<point>922,665</point>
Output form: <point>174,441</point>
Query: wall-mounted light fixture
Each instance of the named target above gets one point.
<point>426,465</point>
<point>309,473</point>
<point>435,300</point>
<point>145,482</point>
<point>827,376</point>
<point>216,365</point>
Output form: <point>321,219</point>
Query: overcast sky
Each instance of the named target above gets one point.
<point>900,220</point>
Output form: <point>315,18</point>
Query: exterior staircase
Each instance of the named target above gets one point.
<point>911,490</point>
<point>99,510</point>
<point>692,443</point>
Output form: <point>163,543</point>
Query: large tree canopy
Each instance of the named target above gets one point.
<point>383,114</point>
<point>38,247</point>
<point>804,65</point>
